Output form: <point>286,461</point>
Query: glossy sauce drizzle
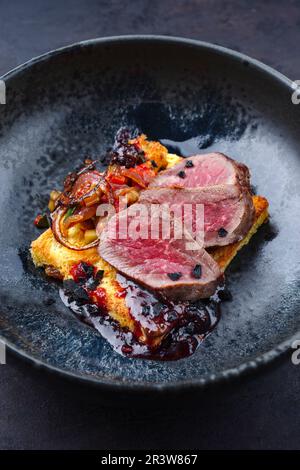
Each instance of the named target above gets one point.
<point>182,325</point>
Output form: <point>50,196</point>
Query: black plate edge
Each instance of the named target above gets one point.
<point>242,369</point>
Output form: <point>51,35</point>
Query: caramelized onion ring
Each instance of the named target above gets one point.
<point>57,220</point>
<point>84,214</point>
<point>85,188</point>
<point>134,176</point>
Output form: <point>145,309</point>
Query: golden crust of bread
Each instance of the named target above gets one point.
<point>172,160</point>
<point>154,151</point>
<point>47,251</point>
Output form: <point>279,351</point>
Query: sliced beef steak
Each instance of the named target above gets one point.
<point>175,264</point>
<point>203,170</point>
<point>221,184</point>
<point>178,269</point>
<point>226,217</point>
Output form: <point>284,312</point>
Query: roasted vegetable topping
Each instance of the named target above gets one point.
<point>130,170</point>
<point>85,288</point>
<point>123,153</point>
<point>82,271</point>
<point>42,221</point>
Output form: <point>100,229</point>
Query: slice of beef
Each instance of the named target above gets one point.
<point>227,214</point>
<point>204,170</point>
<point>178,269</point>
<point>221,184</point>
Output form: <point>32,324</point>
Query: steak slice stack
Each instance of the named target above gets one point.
<point>221,184</point>
<point>167,266</point>
<point>171,265</point>
<point>227,210</point>
<point>198,171</point>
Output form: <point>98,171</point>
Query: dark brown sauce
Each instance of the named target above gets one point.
<point>183,325</point>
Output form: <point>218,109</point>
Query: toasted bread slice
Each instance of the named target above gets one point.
<point>47,251</point>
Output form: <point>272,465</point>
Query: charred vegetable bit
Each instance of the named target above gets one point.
<point>84,288</point>
<point>222,232</point>
<point>153,163</point>
<point>42,221</point>
<point>93,282</point>
<point>81,295</point>
<point>76,292</point>
<point>85,273</point>
<point>197,271</point>
<point>82,271</point>
<point>174,276</point>
<point>181,174</point>
<point>123,153</point>
<point>99,275</point>
<point>189,164</point>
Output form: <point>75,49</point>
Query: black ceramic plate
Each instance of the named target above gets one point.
<point>70,103</point>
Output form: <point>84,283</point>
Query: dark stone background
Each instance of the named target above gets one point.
<point>42,411</point>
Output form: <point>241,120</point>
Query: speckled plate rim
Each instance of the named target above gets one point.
<point>118,383</point>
